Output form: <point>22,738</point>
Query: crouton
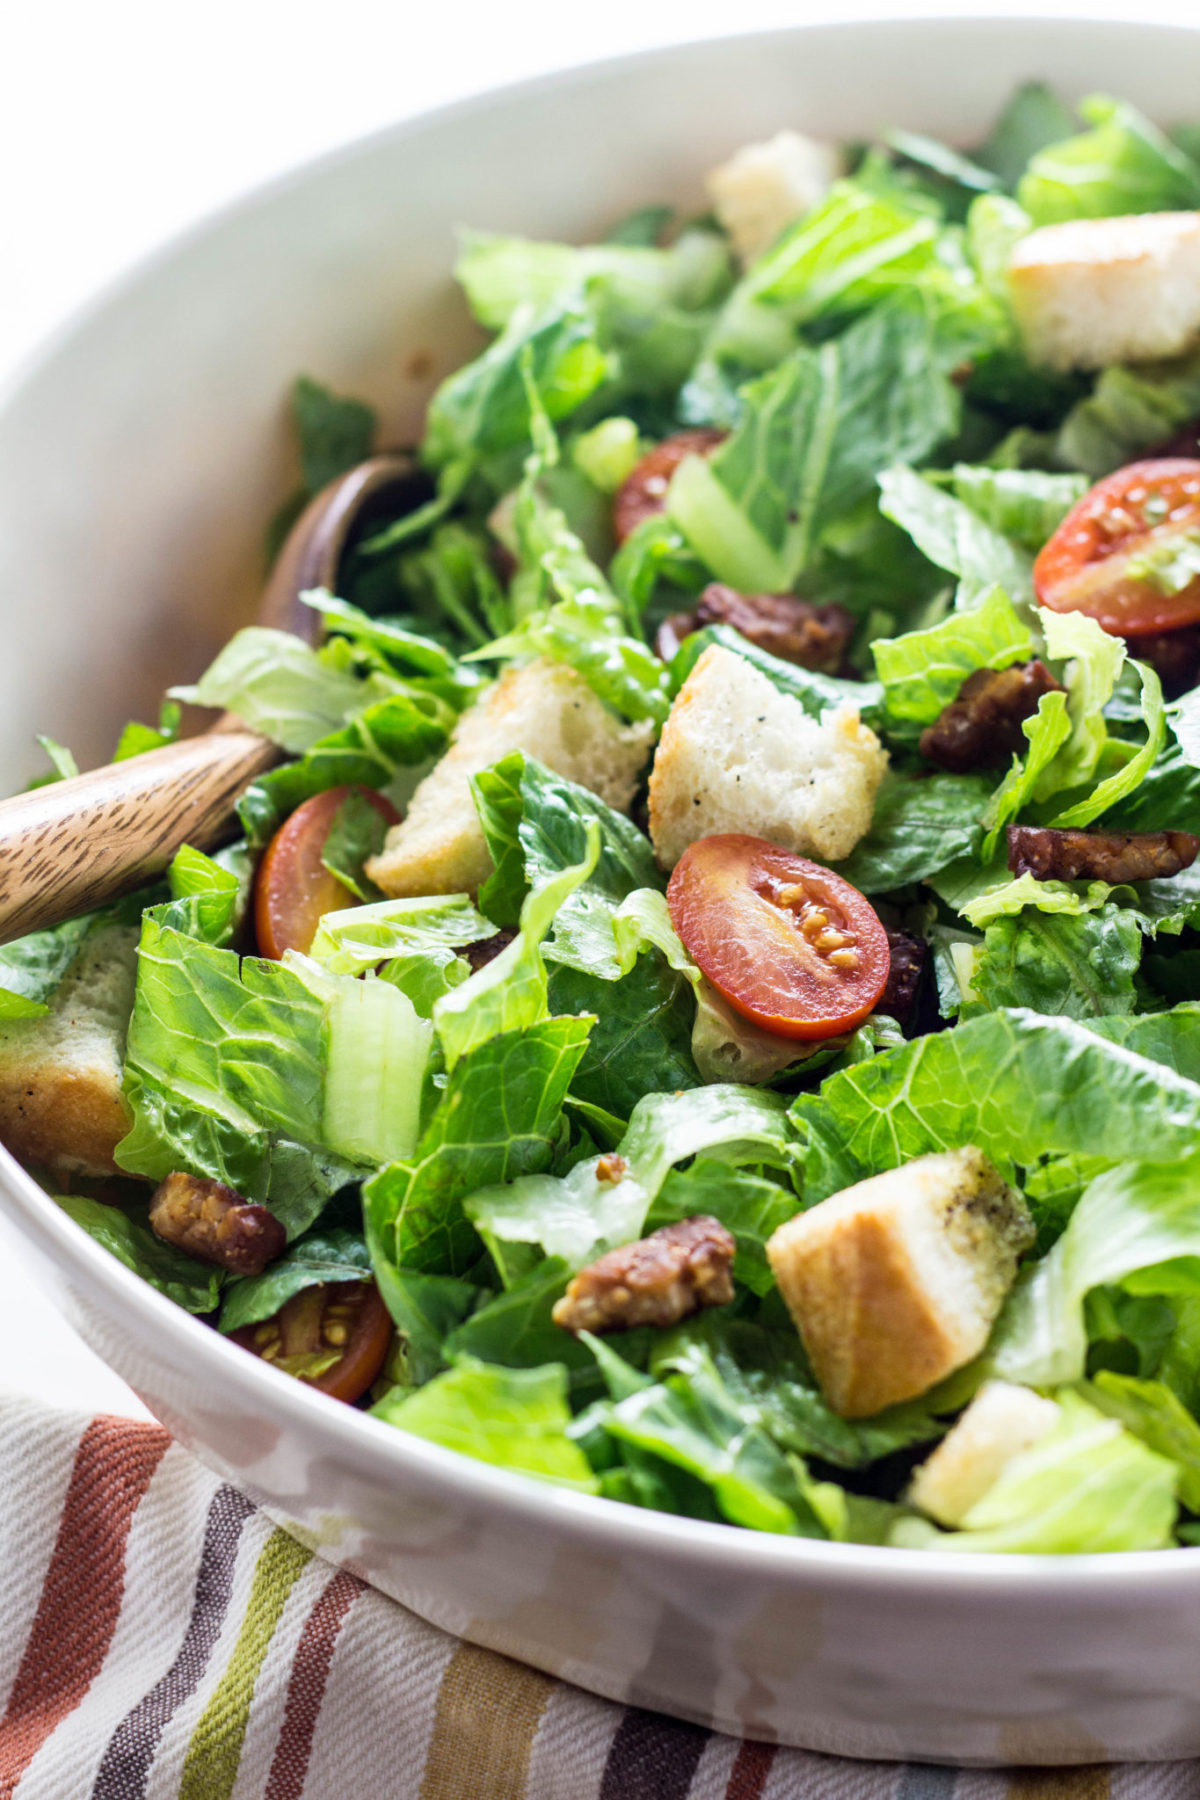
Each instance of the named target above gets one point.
<point>763,188</point>
<point>548,711</point>
<point>738,755</point>
<point>1089,292</point>
<point>60,1075</point>
<point>896,1282</point>
<point>1001,1421</point>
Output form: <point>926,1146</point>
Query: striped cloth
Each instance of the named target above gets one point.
<point>161,1638</point>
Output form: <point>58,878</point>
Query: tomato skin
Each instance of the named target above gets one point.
<point>299,1329</point>
<point>643,493</point>
<point>1084,567</point>
<point>293,890</point>
<point>763,924</point>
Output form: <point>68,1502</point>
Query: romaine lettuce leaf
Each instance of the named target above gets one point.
<point>813,435</point>
<point>510,993</point>
<point>1025,505</point>
<point>748,1205</point>
<point>484,407</point>
<point>125,1233</point>
<point>1082,967</point>
<point>921,824</point>
<point>1128,412</point>
<point>1137,1226</point>
<point>1159,1418</point>
<point>32,967</point>
<point>641,1042</point>
<point>497,1118</point>
<point>922,671</point>
<point>514,1418</point>
<point>1033,118</point>
<point>955,537</point>
<point>579,1215</point>
<point>361,937</point>
<point>1015,1083</point>
<point>1124,164</point>
<point>335,1254</point>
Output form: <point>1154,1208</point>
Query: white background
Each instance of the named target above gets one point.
<point>125,121</point>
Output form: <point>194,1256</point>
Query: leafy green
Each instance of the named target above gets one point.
<point>1128,412</point>
<point>125,1233</point>
<point>361,937</point>
<point>1033,118</point>
<point>1026,505</point>
<point>1047,732</point>
<point>514,1418</point>
<point>497,1119</point>
<point>1124,164</point>
<point>1137,1225</point>
<point>1125,780</point>
<point>920,824</point>
<point>642,1039</point>
<point>580,1214</point>
<point>1157,1416</point>
<point>336,1254</point>
<point>31,967</point>
<point>922,671</point>
<point>1018,1085</point>
<point>809,446</point>
<point>335,433</point>
<point>510,993</point>
<point>955,537</point>
<point>484,407</point>
<point>1082,966</point>
<point>136,738</point>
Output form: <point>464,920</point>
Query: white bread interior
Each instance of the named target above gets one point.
<point>739,755</point>
<point>1001,1421</point>
<point>763,188</point>
<point>1089,292</point>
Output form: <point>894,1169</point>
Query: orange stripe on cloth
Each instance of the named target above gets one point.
<point>306,1686</point>
<point>1089,1783</point>
<point>748,1776</point>
<point>81,1596</point>
<point>487,1716</point>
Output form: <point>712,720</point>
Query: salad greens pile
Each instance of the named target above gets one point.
<point>889,448</point>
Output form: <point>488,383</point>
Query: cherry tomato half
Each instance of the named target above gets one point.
<point>1109,558</point>
<point>644,491</point>
<point>293,889</point>
<point>345,1321</point>
<point>789,944</point>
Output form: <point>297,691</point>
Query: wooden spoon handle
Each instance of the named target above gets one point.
<point>79,843</point>
<point>74,845</point>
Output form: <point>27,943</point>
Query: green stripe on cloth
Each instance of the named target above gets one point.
<point>216,1746</point>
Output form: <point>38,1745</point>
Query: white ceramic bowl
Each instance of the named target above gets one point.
<point>138,462</point>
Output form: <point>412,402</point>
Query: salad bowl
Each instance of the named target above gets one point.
<point>139,457</point>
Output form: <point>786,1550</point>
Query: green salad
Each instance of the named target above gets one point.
<point>706,1011</point>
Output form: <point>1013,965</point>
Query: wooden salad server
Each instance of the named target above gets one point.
<point>82,842</point>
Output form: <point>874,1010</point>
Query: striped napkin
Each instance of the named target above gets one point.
<point>160,1638</point>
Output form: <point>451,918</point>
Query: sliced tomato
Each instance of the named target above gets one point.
<point>1117,554</point>
<point>293,889</point>
<point>335,1336</point>
<point>788,943</point>
<point>644,492</point>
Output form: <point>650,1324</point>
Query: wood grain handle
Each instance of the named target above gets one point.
<point>80,843</point>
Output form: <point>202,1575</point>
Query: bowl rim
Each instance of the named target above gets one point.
<point>343,1431</point>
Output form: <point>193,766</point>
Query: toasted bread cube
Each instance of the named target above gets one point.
<point>1089,292</point>
<point>1001,1421</point>
<point>763,188</point>
<point>548,711</point>
<point>896,1282</point>
<point>738,755</point>
<point>60,1075</point>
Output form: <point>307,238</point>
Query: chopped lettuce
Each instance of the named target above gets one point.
<point>579,1215</point>
<point>514,1418</point>
<point>1081,966</point>
<point>956,537</point>
<point>124,1231</point>
<point>922,671</point>
<point>321,1255</point>
<point>1015,1083</point>
<point>1124,164</point>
